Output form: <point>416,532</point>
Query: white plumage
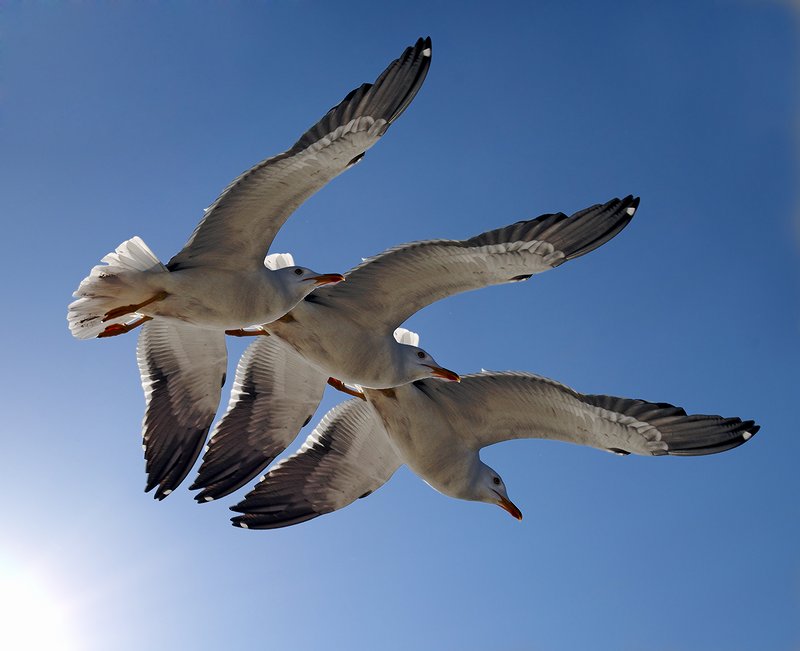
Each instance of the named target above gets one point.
<point>438,429</point>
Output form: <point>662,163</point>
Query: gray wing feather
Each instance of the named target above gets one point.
<point>183,370</point>
<point>494,407</point>
<point>238,228</point>
<point>683,434</point>
<point>346,457</point>
<point>275,393</point>
<point>397,283</point>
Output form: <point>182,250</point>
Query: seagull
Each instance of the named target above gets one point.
<point>438,430</point>
<point>221,279</point>
<point>346,332</point>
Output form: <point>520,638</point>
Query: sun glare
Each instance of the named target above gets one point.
<point>31,617</point>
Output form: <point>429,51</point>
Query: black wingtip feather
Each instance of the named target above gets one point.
<point>166,473</point>
<point>384,99</point>
<point>416,53</point>
<point>732,432</point>
<point>225,480</point>
<point>684,434</point>
<point>259,522</point>
<point>590,231</point>
<point>574,236</point>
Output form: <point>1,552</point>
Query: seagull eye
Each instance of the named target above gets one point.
<point>420,354</point>
<point>298,272</point>
<point>496,481</point>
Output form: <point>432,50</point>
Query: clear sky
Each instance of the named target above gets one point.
<point>123,118</point>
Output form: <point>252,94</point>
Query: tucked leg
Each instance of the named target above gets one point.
<point>129,309</point>
<point>244,332</point>
<point>341,386</point>
<point>121,328</point>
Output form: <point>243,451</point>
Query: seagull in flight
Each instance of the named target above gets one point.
<point>221,279</point>
<point>438,430</point>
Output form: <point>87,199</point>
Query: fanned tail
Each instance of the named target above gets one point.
<point>122,280</point>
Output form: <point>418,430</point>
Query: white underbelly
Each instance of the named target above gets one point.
<point>216,299</point>
<point>340,349</point>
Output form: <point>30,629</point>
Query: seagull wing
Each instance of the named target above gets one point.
<point>395,284</point>
<point>274,395</point>
<point>183,370</point>
<point>238,228</point>
<point>492,407</point>
<point>347,456</point>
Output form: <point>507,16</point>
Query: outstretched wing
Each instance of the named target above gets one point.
<point>274,395</point>
<point>238,228</point>
<point>347,456</point>
<point>490,407</point>
<point>183,370</point>
<point>395,284</point>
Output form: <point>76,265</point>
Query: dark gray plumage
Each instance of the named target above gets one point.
<point>182,369</point>
<point>346,457</point>
<point>238,450</point>
<point>683,435</point>
<point>574,235</point>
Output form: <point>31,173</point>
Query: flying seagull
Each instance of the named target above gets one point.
<point>346,332</point>
<point>221,279</point>
<point>438,430</point>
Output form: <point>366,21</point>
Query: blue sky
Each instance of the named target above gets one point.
<point>125,119</point>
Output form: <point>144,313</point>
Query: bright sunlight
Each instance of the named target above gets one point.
<point>31,616</point>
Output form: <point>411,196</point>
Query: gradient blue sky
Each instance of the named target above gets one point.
<point>124,119</point>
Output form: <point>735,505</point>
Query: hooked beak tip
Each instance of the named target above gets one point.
<point>510,507</point>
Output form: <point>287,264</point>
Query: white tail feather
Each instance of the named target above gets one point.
<point>275,261</point>
<point>117,282</point>
<point>404,336</point>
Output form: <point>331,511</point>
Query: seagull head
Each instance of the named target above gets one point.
<point>488,486</point>
<point>299,282</point>
<point>418,365</point>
